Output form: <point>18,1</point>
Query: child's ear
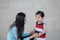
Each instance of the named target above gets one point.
<point>42,17</point>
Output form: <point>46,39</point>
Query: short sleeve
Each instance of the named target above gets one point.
<point>44,24</point>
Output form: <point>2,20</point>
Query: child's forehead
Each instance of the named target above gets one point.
<point>38,15</point>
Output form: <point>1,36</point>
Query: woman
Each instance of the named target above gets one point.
<point>16,31</point>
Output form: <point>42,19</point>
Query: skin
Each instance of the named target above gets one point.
<point>39,18</point>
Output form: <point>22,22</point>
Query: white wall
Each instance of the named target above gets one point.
<point>9,9</point>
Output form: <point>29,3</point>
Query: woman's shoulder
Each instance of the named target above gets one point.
<point>13,28</point>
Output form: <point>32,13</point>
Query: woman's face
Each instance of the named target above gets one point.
<point>25,20</point>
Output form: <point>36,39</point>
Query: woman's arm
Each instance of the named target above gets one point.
<point>32,36</point>
<point>26,35</point>
<point>12,34</point>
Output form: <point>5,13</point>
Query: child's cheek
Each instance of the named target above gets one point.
<point>40,19</point>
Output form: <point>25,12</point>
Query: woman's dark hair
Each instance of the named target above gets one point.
<point>41,13</point>
<point>19,22</point>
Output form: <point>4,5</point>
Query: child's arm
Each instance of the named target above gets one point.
<point>44,31</point>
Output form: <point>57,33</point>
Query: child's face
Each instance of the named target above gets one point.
<point>39,18</point>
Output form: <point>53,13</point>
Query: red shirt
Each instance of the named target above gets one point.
<point>40,26</point>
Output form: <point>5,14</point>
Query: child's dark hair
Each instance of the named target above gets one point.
<point>41,13</point>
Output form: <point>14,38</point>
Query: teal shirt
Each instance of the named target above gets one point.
<point>12,34</point>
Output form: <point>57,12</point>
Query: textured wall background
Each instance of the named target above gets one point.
<point>9,9</point>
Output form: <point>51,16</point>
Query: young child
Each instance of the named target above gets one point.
<point>40,26</point>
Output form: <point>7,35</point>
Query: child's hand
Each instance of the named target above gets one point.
<point>32,32</point>
<point>40,34</point>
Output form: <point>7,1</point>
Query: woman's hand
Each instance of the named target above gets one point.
<point>35,35</point>
<point>32,32</point>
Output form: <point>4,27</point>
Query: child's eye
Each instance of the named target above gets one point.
<point>39,17</point>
